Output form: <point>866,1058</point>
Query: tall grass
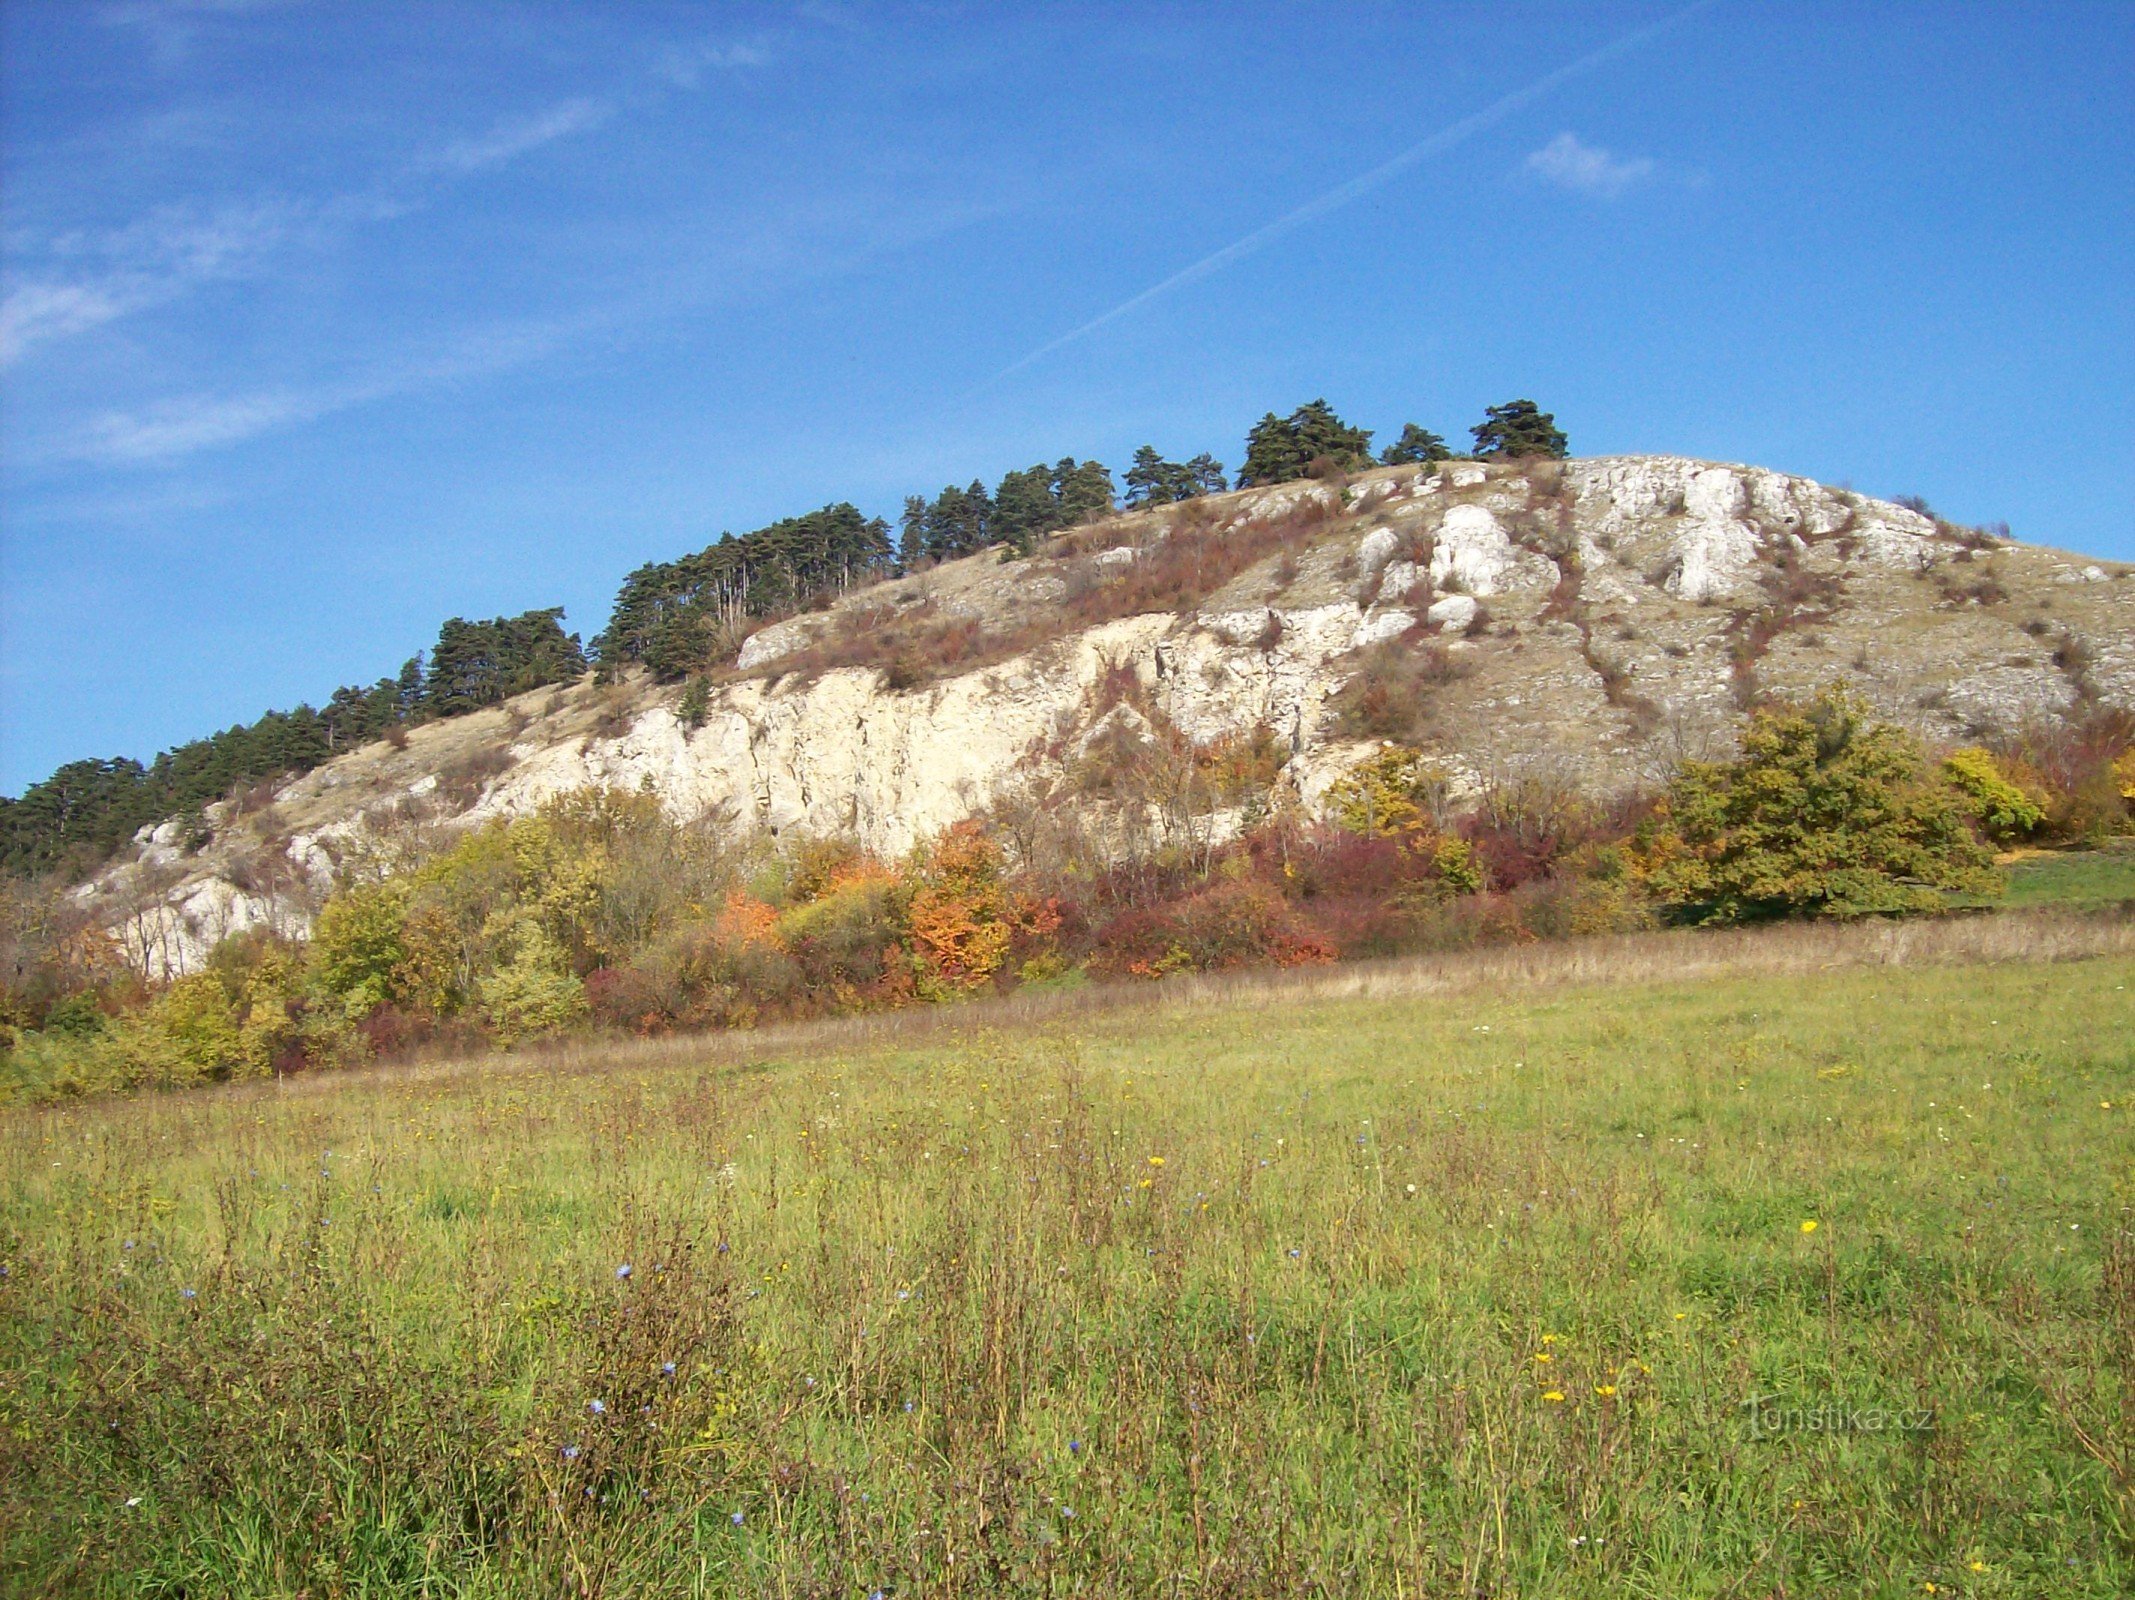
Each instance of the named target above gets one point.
<point>1407,1280</point>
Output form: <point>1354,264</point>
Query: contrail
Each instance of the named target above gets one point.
<point>1339,196</point>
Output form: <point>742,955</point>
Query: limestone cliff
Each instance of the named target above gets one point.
<point>1600,619</point>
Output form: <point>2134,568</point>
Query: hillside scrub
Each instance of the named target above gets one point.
<point>600,912</point>
<point>1628,1286</point>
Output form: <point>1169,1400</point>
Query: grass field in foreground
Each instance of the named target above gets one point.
<point>1507,1292</point>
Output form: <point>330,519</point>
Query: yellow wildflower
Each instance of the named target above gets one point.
<point>1553,1396</point>
<point>1809,1226</point>
<point>1604,1389</point>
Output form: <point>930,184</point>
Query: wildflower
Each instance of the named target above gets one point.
<point>1553,1396</point>
<point>1604,1389</point>
<point>1412,1188</point>
<point>130,1504</point>
<point>570,1452</point>
<point>189,1294</point>
<point>1156,1161</point>
<point>1543,1355</point>
<point>1809,1226</point>
<point>1068,1512</point>
<point>1549,1338</point>
<point>623,1271</point>
<point>599,1408</point>
<point>1979,1566</point>
<point>735,1519</point>
<point>1295,1253</point>
<point>1074,1447</point>
<point>1680,1315</point>
<point>667,1369</point>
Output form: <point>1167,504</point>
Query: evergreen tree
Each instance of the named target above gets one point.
<point>1084,490</point>
<point>1416,446</point>
<point>1147,479</point>
<point>1279,449</point>
<point>1272,454</point>
<point>1323,436</point>
<point>912,545</point>
<point>1518,429</point>
<point>673,616</point>
<point>1206,474</point>
<point>1025,508</point>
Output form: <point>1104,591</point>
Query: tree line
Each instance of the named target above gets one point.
<point>75,819</point>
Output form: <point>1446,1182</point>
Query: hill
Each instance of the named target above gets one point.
<point>1172,673</point>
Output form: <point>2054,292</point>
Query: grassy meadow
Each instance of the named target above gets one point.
<point>1808,1271</point>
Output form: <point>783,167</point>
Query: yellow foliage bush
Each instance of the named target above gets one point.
<point>1394,793</point>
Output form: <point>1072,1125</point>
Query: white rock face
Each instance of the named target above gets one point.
<point>1384,625</point>
<point>1374,548</point>
<point>1473,552</point>
<point>1399,580</point>
<point>1452,613</point>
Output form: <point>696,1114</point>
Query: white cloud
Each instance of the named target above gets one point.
<point>167,430</point>
<point>179,427</point>
<point>685,65</point>
<point>90,278</point>
<point>1588,169</point>
<point>515,136</point>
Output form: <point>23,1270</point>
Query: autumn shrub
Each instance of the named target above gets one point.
<point>1230,924</point>
<point>2084,769</point>
<point>1824,814</point>
<point>963,918</point>
<point>2003,798</point>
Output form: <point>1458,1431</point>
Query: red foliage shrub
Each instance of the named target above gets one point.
<point>1236,924</point>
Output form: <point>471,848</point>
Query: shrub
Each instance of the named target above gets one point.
<point>534,991</point>
<point>1823,814</point>
<point>962,918</point>
<point>1396,792</point>
<point>2005,808</point>
<point>1234,924</point>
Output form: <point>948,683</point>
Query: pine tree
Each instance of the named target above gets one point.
<point>1416,446</point>
<point>1145,479</point>
<point>1025,509</point>
<point>1271,453</point>
<point>1323,436</point>
<point>913,543</point>
<point>1206,474</point>
<point>1518,429</point>
<point>1279,449</point>
<point>1084,489</point>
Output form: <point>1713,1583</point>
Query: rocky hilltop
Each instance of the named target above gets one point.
<point>1586,622</point>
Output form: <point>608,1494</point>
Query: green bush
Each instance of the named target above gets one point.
<point>1824,814</point>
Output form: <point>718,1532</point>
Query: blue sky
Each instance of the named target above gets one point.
<point>322,323</point>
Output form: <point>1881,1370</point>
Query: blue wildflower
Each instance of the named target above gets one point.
<point>599,1408</point>
<point>623,1271</point>
<point>736,1519</point>
<point>189,1294</point>
<point>570,1452</point>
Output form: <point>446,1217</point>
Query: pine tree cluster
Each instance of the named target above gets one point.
<point>1028,506</point>
<point>673,617</point>
<point>87,809</point>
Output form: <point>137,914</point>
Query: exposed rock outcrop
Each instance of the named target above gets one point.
<point>1622,610</point>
